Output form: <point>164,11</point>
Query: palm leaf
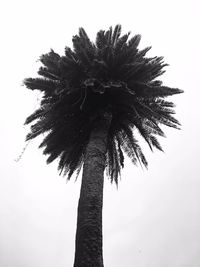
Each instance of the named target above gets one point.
<point>90,79</point>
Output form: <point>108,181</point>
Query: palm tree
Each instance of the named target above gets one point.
<point>94,97</point>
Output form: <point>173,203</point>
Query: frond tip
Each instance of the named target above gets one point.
<point>110,74</point>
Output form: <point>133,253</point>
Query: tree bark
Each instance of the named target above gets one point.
<point>88,250</point>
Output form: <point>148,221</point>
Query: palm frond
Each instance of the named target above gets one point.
<point>90,79</point>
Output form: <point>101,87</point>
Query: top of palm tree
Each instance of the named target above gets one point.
<point>112,75</point>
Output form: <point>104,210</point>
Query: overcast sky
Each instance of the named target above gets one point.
<point>153,219</point>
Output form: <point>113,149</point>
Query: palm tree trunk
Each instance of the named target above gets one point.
<point>88,251</point>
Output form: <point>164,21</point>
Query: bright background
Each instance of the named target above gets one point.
<point>153,219</point>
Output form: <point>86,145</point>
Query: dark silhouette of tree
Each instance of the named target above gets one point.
<point>94,97</point>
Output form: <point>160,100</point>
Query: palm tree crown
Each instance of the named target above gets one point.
<point>111,75</point>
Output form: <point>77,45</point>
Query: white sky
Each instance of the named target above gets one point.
<point>153,219</point>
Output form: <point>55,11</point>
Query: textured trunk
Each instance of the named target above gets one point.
<point>88,251</point>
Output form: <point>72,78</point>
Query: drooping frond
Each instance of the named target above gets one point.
<point>112,74</point>
<point>114,160</point>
